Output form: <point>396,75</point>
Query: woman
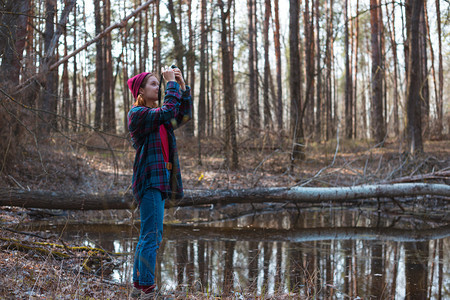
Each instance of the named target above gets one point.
<point>156,170</point>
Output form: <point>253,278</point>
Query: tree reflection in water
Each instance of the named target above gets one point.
<point>330,254</point>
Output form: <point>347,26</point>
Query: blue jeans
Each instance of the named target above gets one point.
<point>152,215</point>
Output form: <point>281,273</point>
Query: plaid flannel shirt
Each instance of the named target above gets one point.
<point>149,170</point>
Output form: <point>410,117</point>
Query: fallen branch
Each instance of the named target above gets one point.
<point>183,232</point>
<point>440,175</point>
<point>60,200</point>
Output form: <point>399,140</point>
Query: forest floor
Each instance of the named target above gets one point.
<point>33,266</point>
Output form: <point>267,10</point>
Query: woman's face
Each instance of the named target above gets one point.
<point>150,90</point>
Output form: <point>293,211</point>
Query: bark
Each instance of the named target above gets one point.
<point>295,81</point>
<point>109,120</point>
<point>157,39</point>
<point>395,62</point>
<point>348,79</point>
<point>267,111</point>
<point>355,74</point>
<point>439,100</point>
<point>231,154</point>
<point>435,85</point>
<point>65,109</point>
<point>253,104</point>
<point>328,59</point>
<point>48,95</point>
<point>190,64</point>
<point>318,122</point>
<point>278,62</point>
<point>74,100</point>
<point>413,109</point>
<point>201,117</point>
<point>307,113</point>
<point>425,89</point>
<point>13,34</point>
<point>377,121</point>
<point>99,72</point>
<point>60,200</point>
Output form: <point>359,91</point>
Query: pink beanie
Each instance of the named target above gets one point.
<point>134,83</point>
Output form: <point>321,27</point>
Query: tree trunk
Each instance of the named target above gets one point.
<point>425,90</point>
<point>267,110</point>
<point>13,34</point>
<point>157,39</point>
<point>109,120</point>
<point>212,81</point>
<point>98,67</point>
<point>253,114</point>
<point>202,92</point>
<point>355,74</point>
<point>60,200</point>
<point>413,109</point>
<point>295,81</point>
<point>348,79</point>
<point>65,108</point>
<point>279,109</point>
<point>395,62</point>
<point>308,104</point>
<point>428,40</point>
<point>74,100</point>
<point>377,121</point>
<point>328,59</point>
<point>318,122</point>
<point>439,100</point>
<point>190,60</point>
<point>49,94</point>
<point>231,159</point>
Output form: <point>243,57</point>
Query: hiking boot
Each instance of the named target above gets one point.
<point>149,296</point>
<point>135,292</point>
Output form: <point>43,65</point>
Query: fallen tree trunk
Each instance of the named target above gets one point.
<point>213,233</point>
<point>60,200</point>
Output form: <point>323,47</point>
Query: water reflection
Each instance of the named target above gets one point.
<point>330,254</point>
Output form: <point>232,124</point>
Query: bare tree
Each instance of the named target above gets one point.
<point>328,60</point>
<point>13,34</point>
<point>253,79</point>
<point>348,80</point>
<point>439,100</point>
<point>99,66</point>
<point>376,121</point>
<point>231,154</point>
<point>318,122</point>
<point>279,109</point>
<point>295,81</point>
<point>413,109</point>
<point>267,111</point>
<point>201,116</point>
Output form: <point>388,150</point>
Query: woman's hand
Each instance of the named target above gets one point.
<point>168,74</point>
<point>179,78</point>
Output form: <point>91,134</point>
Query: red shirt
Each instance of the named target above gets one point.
<point>164,142</point>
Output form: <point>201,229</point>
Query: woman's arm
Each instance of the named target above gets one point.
<point>143,120</point>
<point>185,111</point>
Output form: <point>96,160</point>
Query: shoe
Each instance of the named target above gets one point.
<point>150,296</point>
<point>135,292</point>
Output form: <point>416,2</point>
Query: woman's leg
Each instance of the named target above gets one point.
<point>152,216</point>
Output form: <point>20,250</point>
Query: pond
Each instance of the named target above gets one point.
<point>329,252</point>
